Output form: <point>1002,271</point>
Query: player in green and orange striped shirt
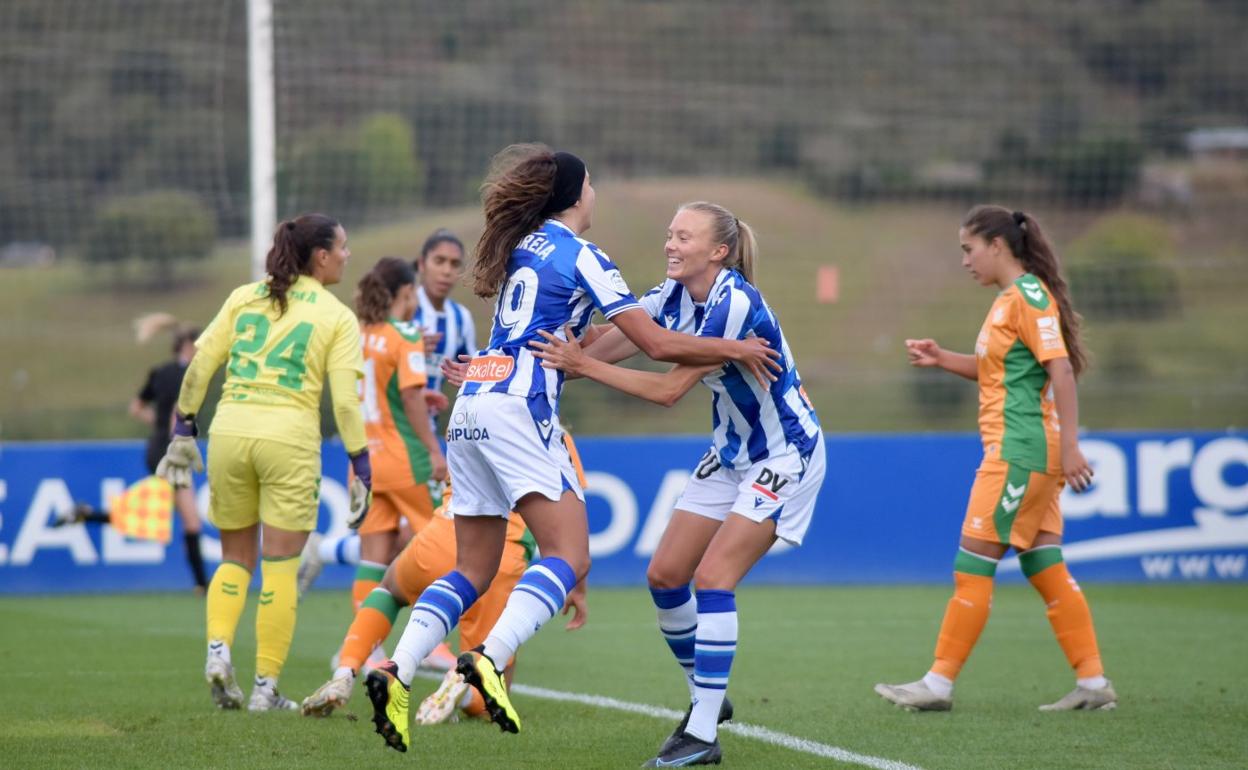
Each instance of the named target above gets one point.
<point>1027,356</point>
<point>404,452</point>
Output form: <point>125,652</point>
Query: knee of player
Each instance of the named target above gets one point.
<point>663,575</point>
<point>395,589</point>
<point>710,578</point>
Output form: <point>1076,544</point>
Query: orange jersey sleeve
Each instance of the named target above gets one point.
<point>1037,321</point>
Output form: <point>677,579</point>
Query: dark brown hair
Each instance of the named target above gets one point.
<point>291,254</point>
<point>439,236</point>
<point>1023,237</point>
<point>513,198</point>
<point>377,289</point>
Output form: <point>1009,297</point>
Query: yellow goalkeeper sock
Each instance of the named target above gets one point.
<point>275,617</point>
<point>227,593</point>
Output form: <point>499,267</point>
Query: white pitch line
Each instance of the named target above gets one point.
<point>756,732</point>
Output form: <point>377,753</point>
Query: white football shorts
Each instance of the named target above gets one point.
<point>782,489</point>
<point>497,452</point>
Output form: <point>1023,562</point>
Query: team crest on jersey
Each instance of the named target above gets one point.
<point>489,369</point>
<point>1034,292</point>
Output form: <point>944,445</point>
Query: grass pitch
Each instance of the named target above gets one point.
<point>115,681</point>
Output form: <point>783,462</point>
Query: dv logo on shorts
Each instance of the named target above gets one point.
<point>768,484</point>
<point>489,369</point>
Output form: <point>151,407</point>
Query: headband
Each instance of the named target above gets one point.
<point>569,178</point>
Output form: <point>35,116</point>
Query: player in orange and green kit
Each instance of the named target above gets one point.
<point>404,452</point>
<point>1027,356</point>
<point>281,340</point>
<point>429,555</point>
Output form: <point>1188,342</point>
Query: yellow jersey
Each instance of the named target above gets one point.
<point>277,366</point>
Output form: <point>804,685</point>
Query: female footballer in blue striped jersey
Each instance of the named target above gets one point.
<point>756,483</point>
<point>504,443</point>
<point>446,325</point>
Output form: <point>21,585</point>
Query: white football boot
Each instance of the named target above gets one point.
<point>914,696</point>
<point>220,675</point>
<point>333,694</point>
<point>1085,699</point>
<point>443,704</point>
<point>265,697</point>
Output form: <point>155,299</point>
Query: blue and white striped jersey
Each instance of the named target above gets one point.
<point>750,424</point>
<point>454,323</point>
<point>553,278</point>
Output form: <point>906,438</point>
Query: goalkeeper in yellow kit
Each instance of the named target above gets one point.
<point>280,340</point>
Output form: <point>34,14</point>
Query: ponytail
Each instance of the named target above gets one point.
<point>1022,235</point>
<point>733,233</point>
<point>514,199</point>
<point>376,291</point>
<point>291,253</point>
<point>747,250</point>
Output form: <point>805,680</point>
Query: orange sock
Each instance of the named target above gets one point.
<point>370,628</point>
<point>1068,610</point>
<point>368,576</point>
<point>966,614</point>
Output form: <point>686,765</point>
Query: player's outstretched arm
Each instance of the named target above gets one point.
<point>663,344</point>
<point>663,388</point>
<point>927,353</point>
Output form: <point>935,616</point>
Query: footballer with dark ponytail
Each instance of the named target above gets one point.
<point>1022,234</point>
<point>281,341</point>
<point>1026,357</point>
<point>294,245</point>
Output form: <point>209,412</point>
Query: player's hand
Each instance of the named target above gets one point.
<point>578,605</point>
<point>431,340</point>
<point>923,352</point>
<point>181,458</point>
<point>565,355</point>
<point>436,401</point>
<point>360,491</point>
<point>437,466</point>
<point>759,358</point>
<point>1075,468</point>
<point>455,371</point>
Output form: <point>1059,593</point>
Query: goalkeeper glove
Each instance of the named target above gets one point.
<point>182,457</point>
<point>361,494</point>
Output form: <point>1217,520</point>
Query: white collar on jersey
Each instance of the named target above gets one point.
<point>426,305</point>
<point>557,223</point>
<point>725,274</point>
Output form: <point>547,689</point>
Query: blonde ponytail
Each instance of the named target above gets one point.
<point>733,233</point>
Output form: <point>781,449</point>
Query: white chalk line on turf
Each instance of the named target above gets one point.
<point>756,732</point>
